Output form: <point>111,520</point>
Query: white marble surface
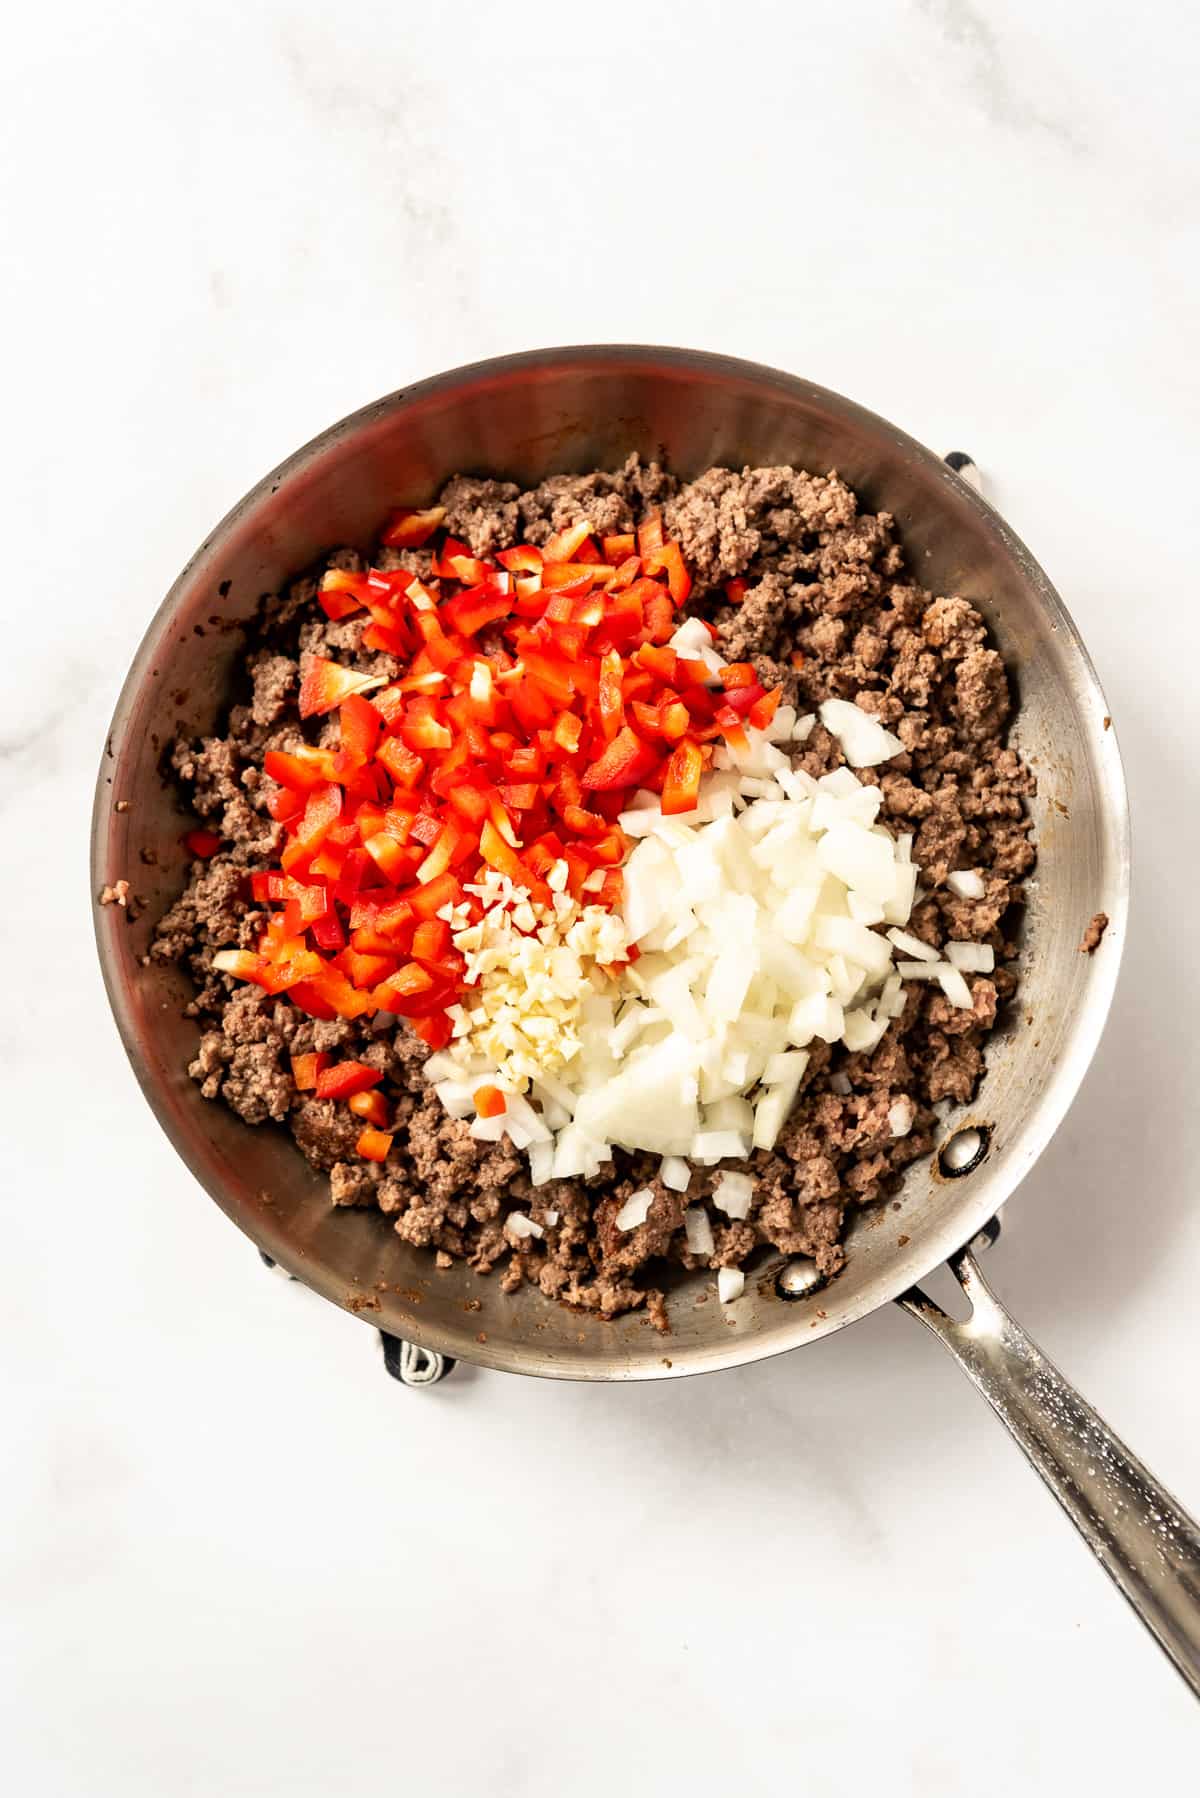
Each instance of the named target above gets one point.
<point>234,1557</point>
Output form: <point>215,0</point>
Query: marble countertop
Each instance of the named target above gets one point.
<point>234,1557</point>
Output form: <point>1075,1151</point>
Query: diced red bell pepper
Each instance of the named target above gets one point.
<point>612,894</point>
<point>470,802</point>
<point>627,573</point>
<point>202,843</point>
<point>410,529</point>
<point>681,788</point>
<point>321,812</point>
<point>328,933</point>
<point>659,615</point>
<point>650,533</point>
<point>326,684</point>
<point>425,733</point>
<point>742,699</point>
<point>567,732</point>
<point>739,674</point>
<point>345,1078</point>
<point>305,1069</point>
<point>436,1030</point>
<point>372,1107</point>
<point>471,612</point>
<point>617,548</point>
<point>731,729</point>
<point>522,559</point>
<point>243,964</point>
<point>763,710</point>
<point>623,763</point>
<point>669,560</point>
<point>521,798</point>
<point>392,859</point>
<point>561,547</point>
<point>364,968</point>
<point>441,854</point>
<point>428,900</point>
<point>299,770</point>
<point>431,940</point>
<point>285,805</point>
<point>374,1145</point>
<point>403,764</point>
<point>402,992</point>
<point>735,591</point>
<point>360,726</point>
<point>612,710</point>
<point>489,1102</point>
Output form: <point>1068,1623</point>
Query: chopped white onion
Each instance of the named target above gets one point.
<point>698,1230</point>
<point>635,1210</point>
<point>522,1226</point>
<point>966,883</point>
<point>863,740</point>
<point>731,1283</point>
<point>733,1193</point>
<point>971,958</point>
<point>912,945</point>
<point>955,987</point>
<point>901,1116</point>
<point>674,1173</point>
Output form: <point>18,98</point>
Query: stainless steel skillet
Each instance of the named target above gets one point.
<point>574,409</point>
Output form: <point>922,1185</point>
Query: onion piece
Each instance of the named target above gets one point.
<point>731,1283</point>
<point>674,1173</point>
<point>635,1210</point>
<point>971,958</point>
<point>955,987</point>
<point>522,1226</point>
<point>733,1193</point>
<point>698,1230</point>
<point>966,883</point>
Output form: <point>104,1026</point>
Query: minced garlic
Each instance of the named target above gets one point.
<point>528,969</point>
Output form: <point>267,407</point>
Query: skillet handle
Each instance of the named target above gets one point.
<point>1144,1539</point>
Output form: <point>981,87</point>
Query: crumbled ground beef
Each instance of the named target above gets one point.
<point>1093,934</point>
<point>823,579</point>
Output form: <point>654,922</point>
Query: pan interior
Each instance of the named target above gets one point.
<point>572,410</point>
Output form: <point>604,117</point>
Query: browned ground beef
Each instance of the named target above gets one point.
<point>823,578</point>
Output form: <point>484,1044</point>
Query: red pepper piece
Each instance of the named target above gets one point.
<point>623,764</point>
<point>681,788</point>
<point>731,729</point>
<point>425,733</point>
<point>305,1069</point>
<point>523,559</point>
<point>764,709</point>
<point>436,1029</point>
<point>742,699</point>
<point>567,731</point>
<point>325,684</point>
<point>410,529</point>
<point>521,798</point>
<point>669,560</point>
<point>650,533</point>
<point>346,1078</point>
<point>394,861</point>
<point>374,1145</point>
<point>403,990</point>
<point>617,549</point>
<point>328,933</point>
<point>365,968</point>
<point>202,843</point>
<point>371,1107</point>
<point>739,674</point>
<point>300,770</point>
<point>561,547</point>
<point>627,573</point>
<point>243,964</point>
<point>428,900</point>
<point>612,710</point>
<point>735,591</point>
<point>360,726</point>
<point>489,1102</point>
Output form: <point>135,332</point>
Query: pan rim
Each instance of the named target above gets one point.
<point>1089,1014</point>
